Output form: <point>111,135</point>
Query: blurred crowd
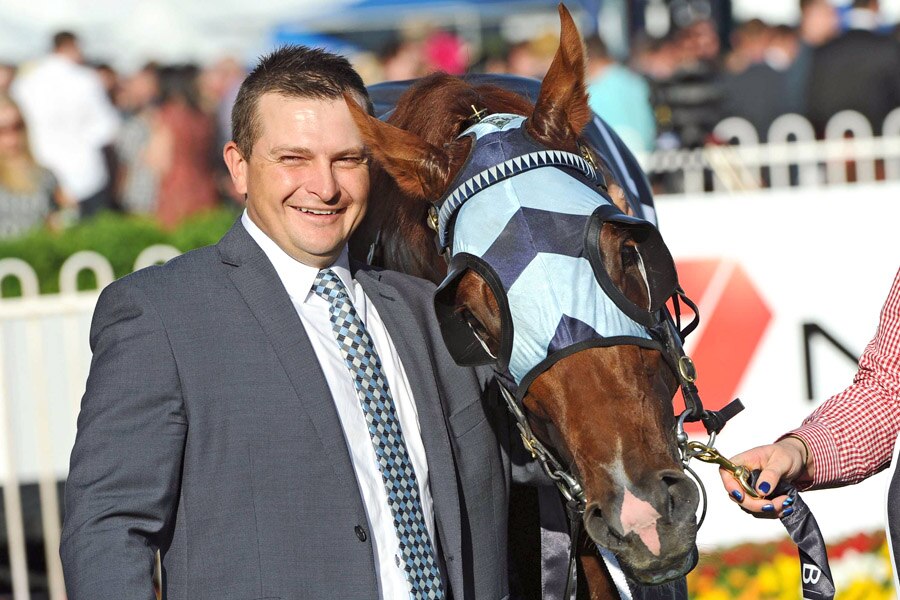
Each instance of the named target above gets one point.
<point>78,137</point>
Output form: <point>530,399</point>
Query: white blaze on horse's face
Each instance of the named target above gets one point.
<point>639,517</point>
<point>636,515</point>
<point>307,178</point>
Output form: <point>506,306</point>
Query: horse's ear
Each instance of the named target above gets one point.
<point>562,108</point>
<point>420,169</point>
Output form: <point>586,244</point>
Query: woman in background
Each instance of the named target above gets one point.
<point>181,148</point>
<point>29,194</point>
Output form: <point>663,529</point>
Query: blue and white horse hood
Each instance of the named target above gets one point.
<point>528,220</point>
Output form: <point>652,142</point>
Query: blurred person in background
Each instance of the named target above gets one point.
<point>494,63</point>
<point>620,96</point>
<point>522,59</point>
<point>755,86</point>
<point>819,23</point>
<point>858,70</point>
<point>71,121</point>
<point>401,60</point>
<point>657,61</point>
<point>749,42</point>
<point>181,147</point>
<point>654,58</point>
<point>110,80</point>
<point>445,52</point>
<point>138,180</point>
<point>29,193</point>
<point>7,74</point>
<point>219,85</point>
<point>687,92</point>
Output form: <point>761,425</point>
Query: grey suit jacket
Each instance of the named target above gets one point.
<point>207,430</point>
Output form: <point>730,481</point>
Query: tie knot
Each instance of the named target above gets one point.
<point>329,286</point>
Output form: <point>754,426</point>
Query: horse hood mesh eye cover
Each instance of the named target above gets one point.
<point>521,216</point>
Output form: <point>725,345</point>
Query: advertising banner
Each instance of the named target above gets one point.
<point>789,285</point>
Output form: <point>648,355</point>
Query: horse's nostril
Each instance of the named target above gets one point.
<point>681,493</point>
<point>672,504</point>
<point>595,525</point>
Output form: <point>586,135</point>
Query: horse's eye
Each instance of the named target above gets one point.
<point>630,256</point>
<point>474,323</point>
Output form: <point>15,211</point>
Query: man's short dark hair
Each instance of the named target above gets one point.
<point>295,72</point>
<point>64,38</point>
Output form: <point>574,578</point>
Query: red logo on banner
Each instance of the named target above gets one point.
<point>733,318</point>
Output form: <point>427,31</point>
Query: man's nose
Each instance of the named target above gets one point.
<point>322,182</point>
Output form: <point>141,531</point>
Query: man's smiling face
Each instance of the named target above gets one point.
<point>307,178</point>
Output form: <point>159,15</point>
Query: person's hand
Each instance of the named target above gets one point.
<point>783,460</point>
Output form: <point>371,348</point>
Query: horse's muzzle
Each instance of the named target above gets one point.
<point>651,530</point>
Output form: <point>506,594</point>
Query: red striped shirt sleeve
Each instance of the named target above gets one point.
<point>851,435</point>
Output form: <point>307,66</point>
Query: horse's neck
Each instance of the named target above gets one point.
<point>396,225</point>
<point>401,242</point>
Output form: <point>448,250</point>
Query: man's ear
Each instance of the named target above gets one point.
<point>237,166</point>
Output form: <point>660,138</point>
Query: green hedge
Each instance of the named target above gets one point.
<point>120,238</point>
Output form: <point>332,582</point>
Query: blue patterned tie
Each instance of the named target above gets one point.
<point>416,552</point>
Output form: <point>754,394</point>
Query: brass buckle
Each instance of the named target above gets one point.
<point>587,154</point>
<point>433,218</point>
<point>529,445</point>
<point>709,454</point>
<point>686,369</point>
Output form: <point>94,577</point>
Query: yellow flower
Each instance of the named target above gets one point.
<point>737,579</point>
<point>767,578</point>
<point>715,594</point>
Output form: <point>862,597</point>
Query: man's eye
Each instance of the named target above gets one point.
<point>291,158</point>
<point>353,160</point>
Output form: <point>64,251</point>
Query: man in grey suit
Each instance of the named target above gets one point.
<point>277,422</point>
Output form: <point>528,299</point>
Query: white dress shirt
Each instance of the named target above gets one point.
<point>315,315</point>
<point>70,119</point>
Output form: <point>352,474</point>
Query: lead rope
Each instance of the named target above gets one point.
<point>615,573</point>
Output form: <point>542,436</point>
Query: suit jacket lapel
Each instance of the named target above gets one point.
<point>258,283</point>
<point>407,334</point>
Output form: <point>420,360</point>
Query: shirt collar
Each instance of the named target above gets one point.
<point>297,277</point>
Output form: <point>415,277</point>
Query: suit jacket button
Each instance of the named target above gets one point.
<point>360,533</point>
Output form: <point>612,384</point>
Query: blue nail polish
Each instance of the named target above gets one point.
<point>768,508</point>
<point>764,487</point>
<point>786,512</point>
<point>737,495</point>
<point>788,502</point>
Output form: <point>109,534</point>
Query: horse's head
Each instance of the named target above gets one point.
<point>555,285</point>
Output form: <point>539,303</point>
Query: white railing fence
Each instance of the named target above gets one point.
<point>792,156</point>
<point>44,360</point>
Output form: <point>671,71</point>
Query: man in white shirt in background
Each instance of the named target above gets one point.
<point>71,122</point>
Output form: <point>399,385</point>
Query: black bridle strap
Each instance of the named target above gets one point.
<point>575,523</point>
<point>672,338</point>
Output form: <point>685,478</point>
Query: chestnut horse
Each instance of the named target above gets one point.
<point>604,407</point>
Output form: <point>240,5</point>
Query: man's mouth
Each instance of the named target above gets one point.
<point>312,211</point>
